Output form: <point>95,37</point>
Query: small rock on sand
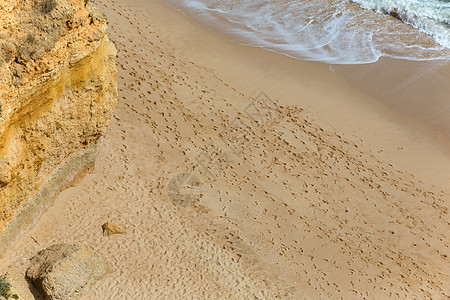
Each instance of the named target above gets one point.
<point>110,228</point>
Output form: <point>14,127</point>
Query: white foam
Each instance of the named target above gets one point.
<point>431,16</point>
<point>329,31</point>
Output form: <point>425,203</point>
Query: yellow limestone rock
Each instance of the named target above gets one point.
<point>57,96</point>
<point>110,228</point>
<point>66,271</point>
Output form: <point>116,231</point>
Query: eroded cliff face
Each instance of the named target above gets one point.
<point>57,96</point>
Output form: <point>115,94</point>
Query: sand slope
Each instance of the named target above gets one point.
<point>277,205</point>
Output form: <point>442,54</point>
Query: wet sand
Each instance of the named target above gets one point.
<point>417,89</point>
<point>313,190</point>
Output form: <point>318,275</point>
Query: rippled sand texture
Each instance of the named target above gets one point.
<point>299,210</point>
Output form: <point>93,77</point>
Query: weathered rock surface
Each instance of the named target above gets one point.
<point>110,228</point>
<point>57,96</point>
<point>65,271</point>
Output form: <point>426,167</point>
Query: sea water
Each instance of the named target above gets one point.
<point>337,32</point>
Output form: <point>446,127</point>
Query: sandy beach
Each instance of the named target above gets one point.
<point>239,173</point>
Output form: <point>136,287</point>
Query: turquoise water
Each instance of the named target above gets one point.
<point>337,32</point>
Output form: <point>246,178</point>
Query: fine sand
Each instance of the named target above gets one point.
<point>312,191</point>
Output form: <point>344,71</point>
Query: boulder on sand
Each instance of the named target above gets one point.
<point>65,271</point>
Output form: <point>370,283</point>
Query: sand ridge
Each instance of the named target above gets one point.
<point>283,207</point>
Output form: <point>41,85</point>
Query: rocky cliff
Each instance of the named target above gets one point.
<point>57,96</point>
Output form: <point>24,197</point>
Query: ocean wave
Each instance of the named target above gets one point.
<point>331,31</point>
<point>431,16</point>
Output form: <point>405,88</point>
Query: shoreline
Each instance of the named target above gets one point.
<point>337,195</point>
<point>282,41</point>
<point>377,116</point>
<point>402,84</point>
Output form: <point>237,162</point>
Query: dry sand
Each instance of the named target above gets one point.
<point>332,195</point>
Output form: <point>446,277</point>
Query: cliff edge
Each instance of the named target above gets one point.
<point>57,96</point>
